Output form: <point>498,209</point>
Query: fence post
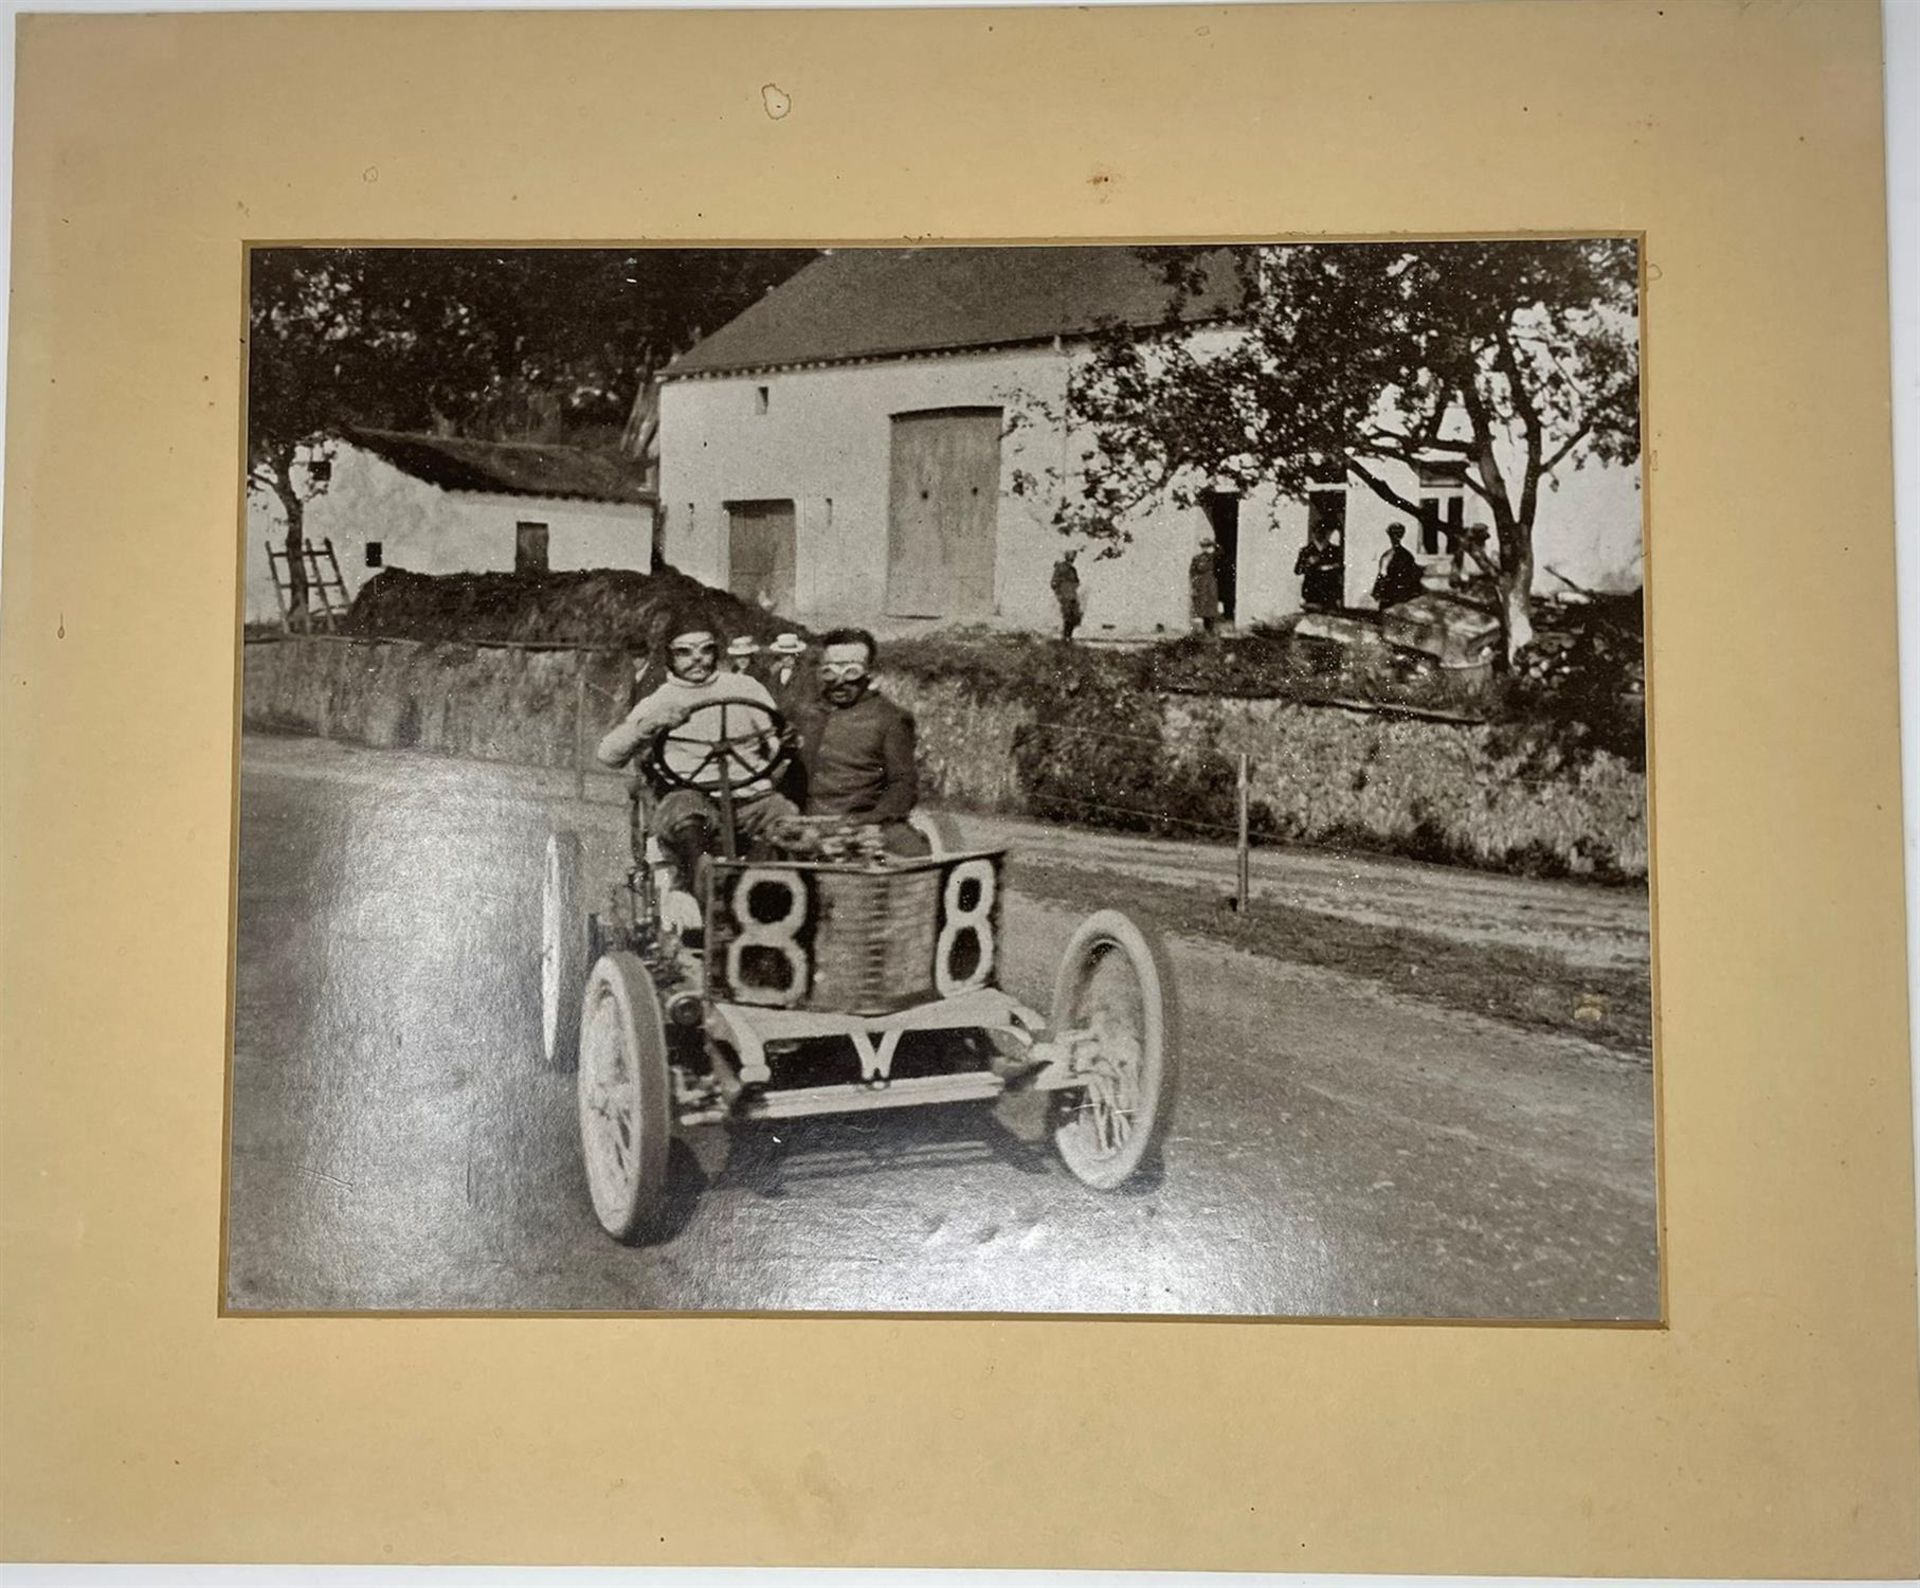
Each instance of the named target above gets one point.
<point>1243,892</point>
<point>580,725</point>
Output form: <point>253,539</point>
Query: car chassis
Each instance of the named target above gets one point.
<point>798,968</point>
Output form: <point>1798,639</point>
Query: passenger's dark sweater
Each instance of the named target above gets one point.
<point>859,759</point>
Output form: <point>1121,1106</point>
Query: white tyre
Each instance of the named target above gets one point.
<point>1114,987</point>
<point>626,1096</point>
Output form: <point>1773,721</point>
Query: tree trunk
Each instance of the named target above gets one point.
<point>295,510</point>
<point>1516,601</point>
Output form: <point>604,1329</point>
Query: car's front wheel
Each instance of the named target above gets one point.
<point>1115,994</point>
<point>626,1096</point>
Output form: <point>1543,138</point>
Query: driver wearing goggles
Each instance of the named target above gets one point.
<point>685,820</point>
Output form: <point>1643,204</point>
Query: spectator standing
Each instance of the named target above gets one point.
<point>785,679</point>
<point>1473,566</point>
<point>1321,567</point>
<point>1399,576</point>
<point>1066,592</point>
<point>1203,587</point>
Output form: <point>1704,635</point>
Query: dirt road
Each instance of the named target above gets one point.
<point>1339,1150</point>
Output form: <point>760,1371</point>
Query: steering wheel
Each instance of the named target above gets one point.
<point>739,743</point>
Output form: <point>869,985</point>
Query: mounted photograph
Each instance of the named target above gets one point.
<point>1079,780</point>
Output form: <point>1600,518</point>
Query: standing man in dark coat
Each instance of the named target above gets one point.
<point>1066,591</point>
<point>858,745</point>
<point>791,683</point>
<point>784,676</point>
<point>1399,578</point>
<point>1322,567</point>
<point>1203,586</point>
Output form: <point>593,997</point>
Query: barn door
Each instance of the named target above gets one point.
<point>760,553</point>
<point>943,510</point>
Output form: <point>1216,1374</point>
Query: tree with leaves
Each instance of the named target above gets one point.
<point>537,344</point>
<point>1509,361</point>
<point>309,365</point>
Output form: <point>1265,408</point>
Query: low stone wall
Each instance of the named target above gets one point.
<point>1319,775</point>
<point>506,703</point>
<point>966,743</point>
<point>496,703</point>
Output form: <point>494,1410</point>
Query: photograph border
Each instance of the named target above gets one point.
<point>1770,1429</point>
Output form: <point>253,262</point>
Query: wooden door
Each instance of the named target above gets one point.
<point>1324,587</point>
<point>943,511</point>
<point>529,547</point>
<point>1223,518</point>
<point>760,553</point>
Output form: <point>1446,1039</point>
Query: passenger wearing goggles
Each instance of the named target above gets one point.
<point>857,746</point>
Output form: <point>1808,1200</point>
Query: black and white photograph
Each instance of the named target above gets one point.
<point>1076,780</point>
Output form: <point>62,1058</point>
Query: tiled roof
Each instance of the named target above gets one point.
<point>862,303</point>
<point>510,468</point>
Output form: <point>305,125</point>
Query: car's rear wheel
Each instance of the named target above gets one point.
<point>626,1095</point>
<point>1113,989</point>
<point>940,831</point>
<point>563,951</point>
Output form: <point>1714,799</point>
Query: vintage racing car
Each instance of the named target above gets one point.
<point>824,987</point>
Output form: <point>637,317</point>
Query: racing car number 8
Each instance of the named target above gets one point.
<point>774,934</point>
<point>963,955</point>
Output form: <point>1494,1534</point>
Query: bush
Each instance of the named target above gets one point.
<point>985,665</point>
<point>1264,664</point>
<point>1580,691</point>
<point>1096,752</point>
<point>1084,737</point>
<point>965,741</point>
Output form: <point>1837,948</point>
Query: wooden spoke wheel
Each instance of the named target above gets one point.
<point>563,951</point>
<point>626,1095</point>
<point>1112,989</point>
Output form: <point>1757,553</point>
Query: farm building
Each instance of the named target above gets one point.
<point>441,504</point>
<point>846,449</point>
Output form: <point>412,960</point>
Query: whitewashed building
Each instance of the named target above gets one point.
<point>441,504</point>
<point>844,450</point>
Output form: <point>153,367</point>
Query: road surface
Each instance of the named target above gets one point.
<point>1338,1150</point>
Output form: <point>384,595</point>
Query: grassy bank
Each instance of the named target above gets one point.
<point>1613,1009</point>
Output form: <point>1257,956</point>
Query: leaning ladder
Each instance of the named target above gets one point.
<point>327,598</point>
